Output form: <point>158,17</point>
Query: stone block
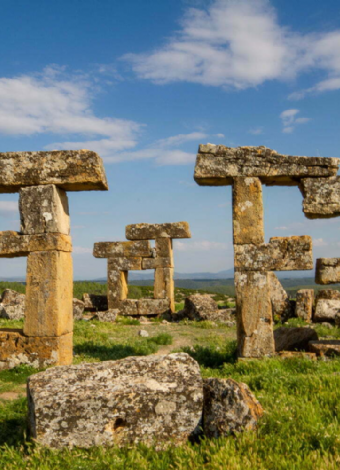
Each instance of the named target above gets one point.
<point>328,294</point>
<point>153,231</point>
<point>254,314</point>
<point>164,287</point>
<point>325,347</point>
<point>153,306</point>
<point>321,197</point>
<point>71,170</point>
<point>127,307</point>
<point>280,254</point>
<point>293,339</point>
<point>95,302</point>
<point>44,209</point>
<point>12,306</point>
<point>109,316</point>
<point>153,263</point>
<point>248,211</point>
<point>117,286</point>
<point>151,400</point>
<point>327,271</point>
<point>304,304</point>
<point>13,244</point>
<point>125,264</point>
<point>78,309</point>
<point>49,293</point>
<point>281,304</point>
<point>163,248</point>
<point>326,310</point>
<point>139,248</point>
<point>38,352</point>
<point>217,165</point>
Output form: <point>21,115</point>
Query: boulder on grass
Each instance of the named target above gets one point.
<point>150,400</point>
<point>200,307</point>
<point>12,306</point>
<point>109,316</point>
<point>78,309</point>
<point>228,407</point>
<point>293,339</point>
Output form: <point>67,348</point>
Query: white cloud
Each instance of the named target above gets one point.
<point>204,245</point>
<point>81,250</point>
<point>256,130</point>
<point>180,139</point>
<point>9,206</point>
<point>290,121</point>
<point>239,44</point>
<point>319,242</point>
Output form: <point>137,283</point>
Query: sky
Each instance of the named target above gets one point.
<point>143,83</point>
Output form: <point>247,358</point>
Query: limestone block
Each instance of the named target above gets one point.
<point>71,170</point>
<point>248,211</point>
<point>293,339</point>
<point>304,304</point>
<point>126,264</point>
<point>78,309</point>
<point>117,285</point>
<point>325,347</point>
<point>137,400</point>
<point>153,263</point>
<point>44,209</point>
<point>128,307</point>
<point>281,304</point>
<point>280,254</point>
<point>254,314</point>
<point>49,293</point>
<point>164,287</point>
<point>326,310</point>
<point>321,197</point>
<point>139,248</point>
<point>228,407</point>
<point>153,306</point>
<point>217,165</point>
<point>13,244</point>
<point>109,316</point>
<point>198,307</point>
<point>327,271</point>
<point>12,306</point>
<point>163,247</point>
<point>38,352</point>
<point>153,231</point>
<point>328,294</point>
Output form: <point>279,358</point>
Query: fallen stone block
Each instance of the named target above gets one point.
<point>228,407</point>
<point>149,400</point>
<point>153,263</point>
<point>247,211</point>
<point>280,254</point>
<point>281,305</point>
<point>325,347</point>
<point>321,197</point>
<point>71,170</point>
<point>109,316</point>
<point>13,244</point>
<point>128,307</point>
<point>12,306</point>
<point>78,309</point>
<point>198,307</point>
<point>217,165</point>
<point>153,306</point>
<point>153,231</point>
<point>95,302</point>
<point>38,352</point>
<point>294,339</point>
<point>49,294</point>
<point>132,249</point>
<point>327,271</point>
<point>326,310</point>
<point>304,304</point>
<point>44,209</point>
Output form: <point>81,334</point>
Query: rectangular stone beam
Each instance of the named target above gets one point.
<point>327,271</point>
<point>13,244</point>
<point>217,165</point>
<point>280,254</point>
<point>140,248</point>
<point>153,231</point>
<point>71,170</point>
<point>321,197</point>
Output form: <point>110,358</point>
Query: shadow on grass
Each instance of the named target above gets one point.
<point>114,351</point>
<point>213,356</point>
<point>13,422</point>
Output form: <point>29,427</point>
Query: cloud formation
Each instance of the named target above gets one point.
<point>290,120</point>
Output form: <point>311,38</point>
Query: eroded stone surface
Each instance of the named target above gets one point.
<point>13,244</point>
<point>328,294</point>
<point>151,400</point>
<point>280,254</point>
<point>293,339</point>
<point>228,407</point>
<point>325,347</point>
<point>12,306</point>
<point>44,209</point>
<point>281,304</point>
<point>108,316</point>
<point>321,197</point>
<point>153,263</point>
<point>164,287</point>
<point>117,285</point>
<point>326,310</point>
<point>304,304</point>
<point>71,170</point>
<point>153,231</point>
<point>153,306</point>
<point>138,248</point>
<point>198,307</point>
<point>327,271</point>
<point>78,309</point>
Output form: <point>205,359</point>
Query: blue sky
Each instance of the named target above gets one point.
<point>143,83</point>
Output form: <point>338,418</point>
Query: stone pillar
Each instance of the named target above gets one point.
<point>304,304</point>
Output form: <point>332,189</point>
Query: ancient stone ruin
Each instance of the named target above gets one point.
<point>246,169</point>
<point>42,179</point>
<point>137,254</point>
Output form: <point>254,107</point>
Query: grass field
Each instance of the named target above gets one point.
<point>300,429</point>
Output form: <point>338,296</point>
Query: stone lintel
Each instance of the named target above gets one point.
<point>13,244</point>
<point>71,170</point>
<point>136,248</point>
<point>321,197</point>
<point>327,271</point>
<point>125,264</point>
<point>280,254</point>
<point>153,231</point>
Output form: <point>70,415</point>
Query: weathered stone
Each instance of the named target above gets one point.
<point>254,314</point>
<point>327,271</point>
<point>39,352</point>
<point>280,254</point>
<point>326,310</point>
<point>143,333</point>
<point>321,197</point>
<point>304,304</point>
<point>71,170</point>
<point>328,294</point>
<point>153,231</point>
<point>150,400</point>
<point>325,347</point>
<point>198,307</point>
<point>248,211</point>
<point>218,165</point>
<point>163,248</point>
<point>44,209</point>
<point>117,285</point>
<point>125,264</point>
<point>281,304</point>
<point>128,307</point>
<point>13,244</point>
<point>78,309</point>
<point>297,355</point>
<point>12,306</point>
<point>153,306</point>
<point>132,249</point>
<point>109,316</point>
<point>49,294</point>
<point>293,339</point>
<point>153,263</point>
<point>164,285</point>
<point>95,302</point>
<point>228,407</point>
